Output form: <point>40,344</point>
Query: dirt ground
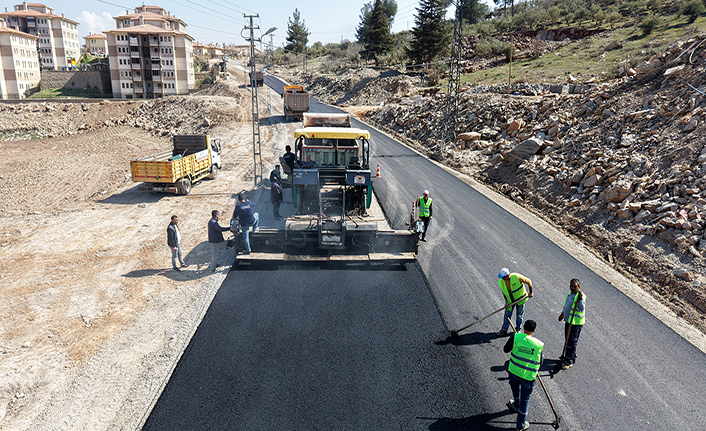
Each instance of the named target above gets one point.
<point>93,317</point>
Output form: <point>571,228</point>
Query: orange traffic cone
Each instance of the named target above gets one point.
<point>377,175</point>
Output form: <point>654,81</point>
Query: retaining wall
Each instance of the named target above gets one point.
<point>77,80</point>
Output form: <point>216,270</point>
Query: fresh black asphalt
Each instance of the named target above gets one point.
<point>331,348</point>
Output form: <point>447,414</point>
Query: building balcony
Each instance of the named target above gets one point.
<point>133,41</point>
<point>138,90</point>
<point>135,66</point>
<point>156,78</point>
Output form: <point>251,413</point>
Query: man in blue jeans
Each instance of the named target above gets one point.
<point>215,237</point>
<point>244,214</point>
<point>525,360</point>
<point>512,284</point>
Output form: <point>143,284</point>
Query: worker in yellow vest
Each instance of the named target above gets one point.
<point>525,360</point>
<point>575,314</point>
<point>424,210</point>
<point>513,287</point>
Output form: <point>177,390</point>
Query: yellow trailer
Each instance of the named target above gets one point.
<point>193,158</point>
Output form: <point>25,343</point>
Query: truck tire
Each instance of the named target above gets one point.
<point>185,186</point>
<point>214,172</point>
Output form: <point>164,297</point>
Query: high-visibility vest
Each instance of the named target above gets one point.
<point>517,290</point>
<point>424,207</point>
<point>526,356</point>
<point>579,317</point>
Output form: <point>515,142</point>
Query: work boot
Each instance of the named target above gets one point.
<point>501,333</point>
<point>511,405</point>
<point>566,365</point>
<point>524,427</point>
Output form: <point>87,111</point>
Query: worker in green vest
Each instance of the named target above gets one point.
<point>513,287</point>
<point>525,360</point>
<point>575,314</point>
<point>424,211</point>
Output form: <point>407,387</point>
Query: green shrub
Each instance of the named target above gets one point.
<point>648,25</point>
<point>692,10</point>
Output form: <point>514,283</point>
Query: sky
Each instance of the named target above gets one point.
<point>221,21</point>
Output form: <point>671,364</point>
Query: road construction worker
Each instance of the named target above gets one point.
<point>425,210</point>
<point>514,290</point>
<point>575,314</point>
<point>525,360</point>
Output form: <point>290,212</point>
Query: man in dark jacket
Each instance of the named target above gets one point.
<point>276,191</point>
<point>244,214</point>
<point>289,157</point>
<point>215,237</point>
<point>174,242</point>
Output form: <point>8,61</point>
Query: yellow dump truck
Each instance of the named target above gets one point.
<point>193,158</point>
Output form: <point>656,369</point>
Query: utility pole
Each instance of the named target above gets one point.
<point>269,51</point>
<point>256,150</point>
<point>256,147</point>
<point>454,73</point>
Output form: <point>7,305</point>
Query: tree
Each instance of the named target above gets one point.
<point>378,39</point>
<point>390,10</point>
<point>474,11</point>
<point>430,33</point>
<point>297,33</point>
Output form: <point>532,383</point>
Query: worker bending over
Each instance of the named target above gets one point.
<point>513,288</point>
<point>525,360</point>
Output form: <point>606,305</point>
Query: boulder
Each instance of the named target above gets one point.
<point>469,136</point>
<point>526,149</point>
<point>618,191</point>
<point>592,181</point>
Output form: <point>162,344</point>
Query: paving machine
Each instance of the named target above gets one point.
<point>332,188</point>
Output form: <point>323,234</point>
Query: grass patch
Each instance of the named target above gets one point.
<point>597,57</point>
<point>68,93</point>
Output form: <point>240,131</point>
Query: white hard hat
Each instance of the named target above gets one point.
<point>503,272</point>
<point>426,192</point>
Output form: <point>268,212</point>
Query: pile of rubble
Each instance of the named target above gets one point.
<point>359,87</point>
<point>186,114</point>
<point>165,116</point>
<point>36,120</point>
<point>622,166</point>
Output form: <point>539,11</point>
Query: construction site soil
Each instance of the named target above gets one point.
<point>93,319</point>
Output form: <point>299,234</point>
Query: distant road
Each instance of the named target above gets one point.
<point>302,348</point>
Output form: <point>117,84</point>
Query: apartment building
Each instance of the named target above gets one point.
<point>19,65</point>
<point>96,44</point>
<point>57,36</point>
<point>210,51</point>
<point>150,54</point>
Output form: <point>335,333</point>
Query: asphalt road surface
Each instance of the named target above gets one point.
<point>348,349</point>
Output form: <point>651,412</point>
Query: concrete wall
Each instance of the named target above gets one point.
<point>76,80</point>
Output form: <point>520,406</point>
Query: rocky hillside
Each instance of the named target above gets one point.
<point>621,166</point>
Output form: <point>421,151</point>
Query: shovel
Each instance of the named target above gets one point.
<point>454,334</point>
<point>557,418</point>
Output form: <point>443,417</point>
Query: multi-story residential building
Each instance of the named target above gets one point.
<point>96,44</point>
<point>19,65</point>
<point>210,51</point>
<point>150,54</point>
<point>57,36</point>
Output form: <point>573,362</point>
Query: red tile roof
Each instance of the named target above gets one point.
<point>141,29</point>
<point>4,29</point>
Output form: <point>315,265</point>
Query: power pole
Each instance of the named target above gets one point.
<point>269,51</point>
<point>454,73</point>
<point>256,151</point>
